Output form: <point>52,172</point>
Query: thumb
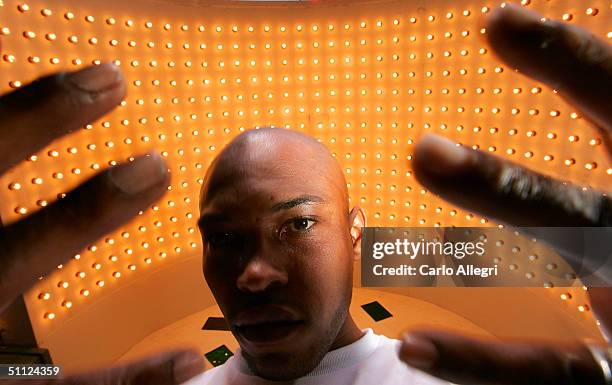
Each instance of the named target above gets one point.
<point>465,360</point>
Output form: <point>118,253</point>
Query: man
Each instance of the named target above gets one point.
<point>279,245</point>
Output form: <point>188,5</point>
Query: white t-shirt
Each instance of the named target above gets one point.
<point>373,359</point>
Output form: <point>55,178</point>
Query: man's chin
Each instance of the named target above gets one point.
<point>281,355</point>
<point>281,367</point>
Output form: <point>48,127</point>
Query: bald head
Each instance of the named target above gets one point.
<point>257,153</point>
<point>279,245</point>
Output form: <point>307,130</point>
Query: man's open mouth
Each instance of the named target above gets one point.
<point>269,331</point>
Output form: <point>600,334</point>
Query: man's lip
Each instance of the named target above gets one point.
<point>267,314</point>
<point>267,334</point>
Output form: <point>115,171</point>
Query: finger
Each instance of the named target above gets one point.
<point>566,57</point>
<point>52,106</point>
<point>600,299</point>
<point>464,360</point>
<point>503,190</point>
<point>165,369</point>
<point>35,245</point>
<point>566,216</point>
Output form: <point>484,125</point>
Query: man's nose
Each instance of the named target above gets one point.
<point>260,275</point>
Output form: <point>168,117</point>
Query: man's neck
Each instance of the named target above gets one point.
<point>349,333</point>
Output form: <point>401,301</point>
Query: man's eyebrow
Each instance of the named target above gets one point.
<point>301,200</point>
<point>213,217</point>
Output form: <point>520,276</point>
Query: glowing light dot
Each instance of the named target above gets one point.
<point>592,11</point>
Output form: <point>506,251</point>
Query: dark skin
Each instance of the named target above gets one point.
<point>278,233</point>
<point>579,66</point>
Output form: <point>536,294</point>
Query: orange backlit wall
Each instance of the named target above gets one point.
<point>365,78</point>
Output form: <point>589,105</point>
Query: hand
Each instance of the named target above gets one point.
<point>579,66</point>
<point>474,361</point>
<point>30,118</point>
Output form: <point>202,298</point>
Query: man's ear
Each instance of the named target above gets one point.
<point>357,221</point>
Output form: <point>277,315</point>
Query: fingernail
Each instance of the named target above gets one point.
<point>516,16</point>
<point>186,366</point>
<point>524,26</point>
<point>441,156</point>
<point>96,78</point>
<point>521,13</point>
<point>418,352</point>
<point>140,174</point>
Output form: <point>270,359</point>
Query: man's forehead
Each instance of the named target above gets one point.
<point>263,192</point>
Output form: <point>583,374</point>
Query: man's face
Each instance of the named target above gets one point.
<point>278,254</point>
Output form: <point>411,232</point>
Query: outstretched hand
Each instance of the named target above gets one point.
<point>579,67</point>
<point>30,118</point>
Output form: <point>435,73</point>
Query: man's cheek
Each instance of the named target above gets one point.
<point>221,264</point>
<point>219,281</point>
<point>326,276</point>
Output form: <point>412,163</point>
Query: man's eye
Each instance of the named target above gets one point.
<point>301,224</point>
<point>222,240</point>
